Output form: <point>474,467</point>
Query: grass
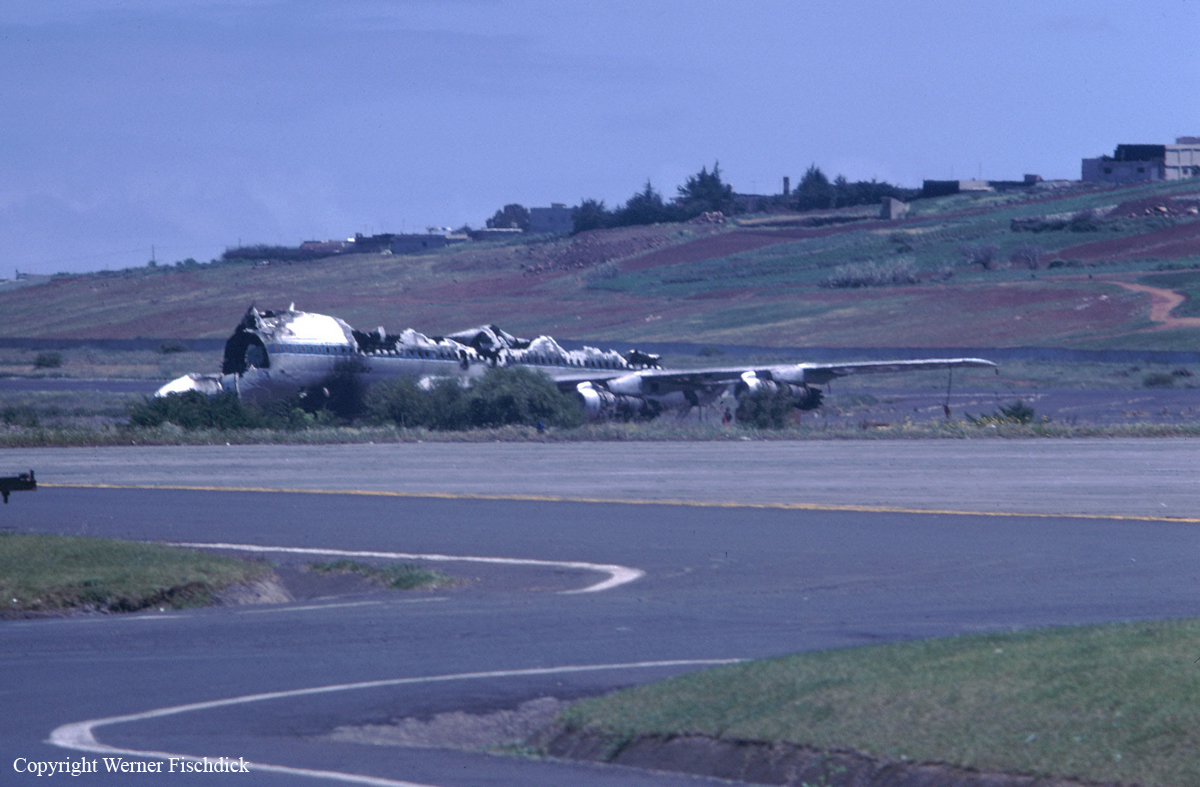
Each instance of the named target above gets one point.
<point>1115,702</point>
<point>398,576</point>
<point>43,573</point>
<point>99,363</point>
<point>663,430</point>
<point>1186,282</point>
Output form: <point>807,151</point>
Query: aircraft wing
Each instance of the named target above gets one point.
<point>711,382</point>
<point>821,373</point>
<point>648,380</point>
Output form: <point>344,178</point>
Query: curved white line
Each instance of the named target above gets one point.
<point>619,575</point>
<point>80,736</point>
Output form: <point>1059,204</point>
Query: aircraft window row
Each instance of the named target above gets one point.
<point>313,349</point>
<point>325,349</point>
<point>442,355</point>
<point>535,360</point>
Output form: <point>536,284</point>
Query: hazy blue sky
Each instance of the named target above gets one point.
<point>192,126</point>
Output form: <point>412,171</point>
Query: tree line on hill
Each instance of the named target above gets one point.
<point>704,192</point>
<point>707,192</point>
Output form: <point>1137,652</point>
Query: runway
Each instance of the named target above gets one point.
<point>721,582</point>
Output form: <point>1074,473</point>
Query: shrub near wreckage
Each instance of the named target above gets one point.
<point>502,397</point>
<point>194,410</point>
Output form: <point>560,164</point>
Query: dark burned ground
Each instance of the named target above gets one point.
<point>531,726</point>
<point>759,762</point>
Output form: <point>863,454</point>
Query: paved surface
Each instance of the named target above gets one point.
<point>1141,477</point>
<point>721,582</point>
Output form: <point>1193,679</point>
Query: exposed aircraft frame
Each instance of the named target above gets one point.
<point>279,354</point>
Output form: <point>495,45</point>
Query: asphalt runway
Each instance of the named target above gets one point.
<point>722,580</point>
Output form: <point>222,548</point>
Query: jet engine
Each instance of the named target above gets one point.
<point>602,404</point>
<point>803,397</point>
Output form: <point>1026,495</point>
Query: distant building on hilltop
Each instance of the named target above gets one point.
<point>414,243</point>
<point>496,233</point>
<point>1146,163</point>
<point>326,248</point>
<point>944,188</point>
<point>556,218</point>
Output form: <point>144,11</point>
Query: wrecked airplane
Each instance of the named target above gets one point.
<point>281,354</point>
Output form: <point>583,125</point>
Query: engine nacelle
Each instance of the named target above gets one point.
<point>600,404</point>
<point>803,397</point>
<point>752,382</point>
<point>626,385</point>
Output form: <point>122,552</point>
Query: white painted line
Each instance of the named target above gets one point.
<point>80,736</point>
<point>338,606</point>
<point>618,575</point>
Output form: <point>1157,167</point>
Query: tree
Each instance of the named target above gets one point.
<point>592,215</point>
<point>510,216</point>
<point>704,192</point>
<point>645,207</point>
<point>815,192</point>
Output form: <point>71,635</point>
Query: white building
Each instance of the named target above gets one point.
<point>1146,163</point>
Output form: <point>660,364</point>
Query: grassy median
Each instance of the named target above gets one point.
<point>397,576</point>
<point>43,573</point>
<point>1112,703</point>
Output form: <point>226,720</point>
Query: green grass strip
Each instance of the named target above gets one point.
<point>398,576</point>
<point>1114,703</point>
<point>42,573</point>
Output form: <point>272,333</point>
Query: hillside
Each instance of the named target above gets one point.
<point>1112,267</point>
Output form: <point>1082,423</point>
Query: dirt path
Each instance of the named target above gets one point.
<point>1162,303</point>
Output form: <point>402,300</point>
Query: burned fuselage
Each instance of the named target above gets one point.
<point>280,354</point>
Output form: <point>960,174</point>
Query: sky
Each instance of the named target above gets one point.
<point>178,128</point>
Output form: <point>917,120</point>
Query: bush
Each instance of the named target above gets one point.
<point>167,348</point>
<point>763,409</point>
<point>401,402</point>
<point>1086,221</point>
<point>603,272</point>
<point>1159,380</point>
<point>520,396</point>
<point>981,254</point>
<point>869,274</point>
<point>1016,413</point>
<point>502,397</point>
<point>194,410</point>
<point>19,415</point>
<point>49,360</point>
<point>1029,255</point>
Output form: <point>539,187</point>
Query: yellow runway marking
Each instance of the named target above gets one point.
<point>619,501</point>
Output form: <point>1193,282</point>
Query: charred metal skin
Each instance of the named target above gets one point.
<point>25,482</point>
<point>285,353</point>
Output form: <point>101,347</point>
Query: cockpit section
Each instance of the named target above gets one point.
<point>244,350</point>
